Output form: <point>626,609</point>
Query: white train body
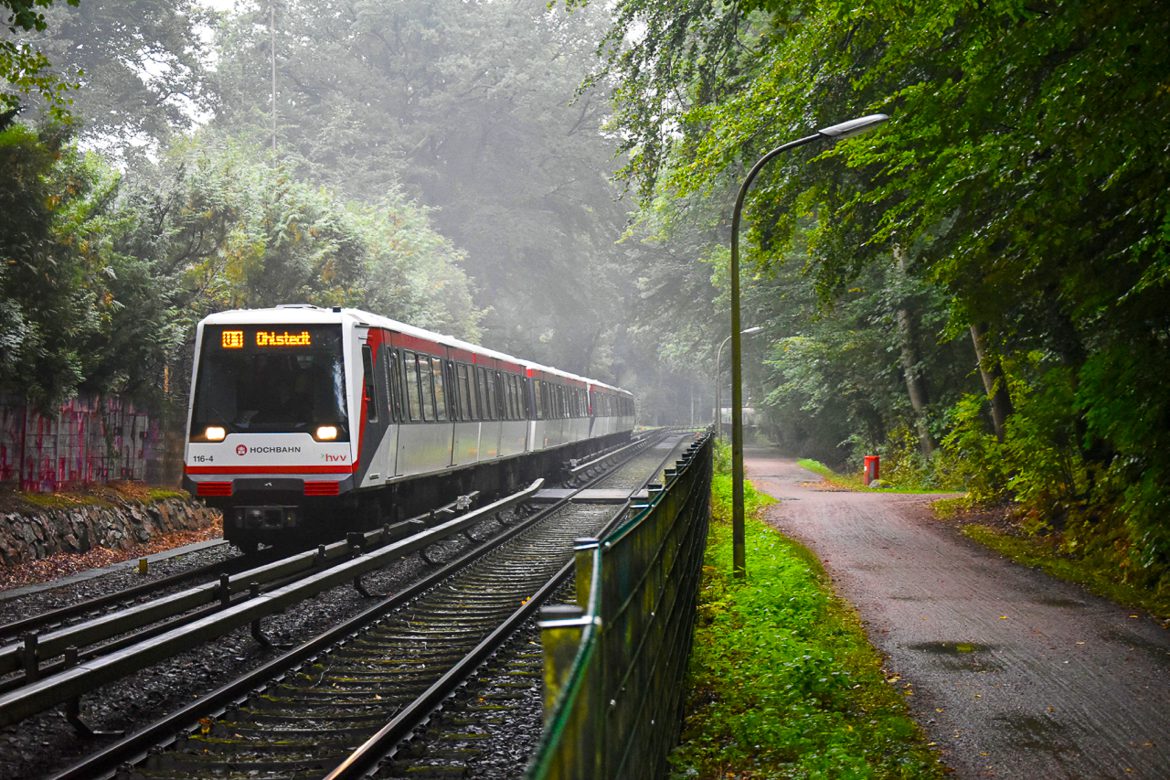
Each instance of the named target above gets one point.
<point>309,422</point>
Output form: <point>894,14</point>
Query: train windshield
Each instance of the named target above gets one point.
<point>270,379</point>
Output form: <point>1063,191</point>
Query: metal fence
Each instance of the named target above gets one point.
<point>87,441</point>
<point>615,662</point>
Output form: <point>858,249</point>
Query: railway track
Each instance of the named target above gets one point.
<point>303,713</point>
<point>47,643</point>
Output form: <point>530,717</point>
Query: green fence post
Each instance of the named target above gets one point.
<point>561,626</point>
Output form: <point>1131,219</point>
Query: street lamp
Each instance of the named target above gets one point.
<point>718,384</point>
<point>831,133</point>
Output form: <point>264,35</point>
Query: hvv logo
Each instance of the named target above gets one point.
<point>335,458</point>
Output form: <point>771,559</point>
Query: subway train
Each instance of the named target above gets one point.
<point>306,422</point>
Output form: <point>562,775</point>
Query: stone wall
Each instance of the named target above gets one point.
<point>27,537</point>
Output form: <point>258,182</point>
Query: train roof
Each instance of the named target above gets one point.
<point>308,314</point>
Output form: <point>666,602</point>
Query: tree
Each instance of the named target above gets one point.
<point>1021,172</point>
<point>23,67</point>
<point>468,108</point>
<point>137,68</point>
<point>79,314</point>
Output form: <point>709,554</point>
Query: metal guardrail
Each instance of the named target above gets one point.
<point>84,677</point>
<point>616,660</point>
<point>35,650</point>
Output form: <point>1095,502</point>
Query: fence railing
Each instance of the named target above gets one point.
<point>615,661</point>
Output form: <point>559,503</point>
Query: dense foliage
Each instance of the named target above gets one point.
<point>104,277</point>
<point>989,270</point>
<point>471,109</point>
<point>24,69</point>
<point>976,290</point>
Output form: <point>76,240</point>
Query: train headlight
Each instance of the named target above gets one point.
<point>215,433</point>
<point>325,433</point>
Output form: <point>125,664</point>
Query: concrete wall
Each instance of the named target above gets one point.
<point>87,441</point>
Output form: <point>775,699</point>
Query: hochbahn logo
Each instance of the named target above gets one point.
<point>275,450</point>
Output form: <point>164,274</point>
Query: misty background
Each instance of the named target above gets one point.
<point>435,162</point>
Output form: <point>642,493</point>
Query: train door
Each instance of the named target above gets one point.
<point>375,453</point>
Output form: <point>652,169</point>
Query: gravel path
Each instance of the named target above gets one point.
<point>1012,673</point>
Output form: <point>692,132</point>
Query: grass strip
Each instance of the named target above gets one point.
<point>784,683</point>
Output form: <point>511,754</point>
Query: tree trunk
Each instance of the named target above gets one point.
<point>910,359</point>
<point>994,380</point>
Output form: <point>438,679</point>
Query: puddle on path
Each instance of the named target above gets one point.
<point>960,656</point>
<point>1036,734</point>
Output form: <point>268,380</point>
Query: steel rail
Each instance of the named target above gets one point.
<point>162,733</point>
<point>135,748</point>
<point>364,759</point>
<point>604,458</point>
<point>18,627</point>
<point>372,751</point>
<point>16,656</point>
<point>71,683</point>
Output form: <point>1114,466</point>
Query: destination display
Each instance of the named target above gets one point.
<point>236,339</point>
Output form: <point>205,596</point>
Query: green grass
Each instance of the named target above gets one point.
<point>840,480</point>
<point>783,681</point>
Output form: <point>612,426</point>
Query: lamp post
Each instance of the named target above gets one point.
<point>718,384</point>
<point>831,133</point>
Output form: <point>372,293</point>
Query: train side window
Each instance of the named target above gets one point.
<point>498,391</point>
<point>537,411</point>
<point>428,390</point>
<point>466,395</point>
<point>440,389</point>
<point>370,396</point>
<point>493,399</point>
<point>414,404</point>
<point>514,384</point>
<point>389,367</point>
<point>480,399</point>
<point>481,406</point>
<point>452,382</point>
<point>493,402</point>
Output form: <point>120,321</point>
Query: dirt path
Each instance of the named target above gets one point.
<point>1012,673</point>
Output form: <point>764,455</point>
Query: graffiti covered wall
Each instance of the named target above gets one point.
<point>88,441</point>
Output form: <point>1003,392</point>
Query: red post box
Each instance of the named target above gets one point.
<point>871,468</point>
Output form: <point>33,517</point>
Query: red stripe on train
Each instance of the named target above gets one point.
<point>270,469</point>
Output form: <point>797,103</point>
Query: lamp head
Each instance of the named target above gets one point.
<point>853,126</point>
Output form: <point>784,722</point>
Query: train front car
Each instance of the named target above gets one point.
<point>272,432</point>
